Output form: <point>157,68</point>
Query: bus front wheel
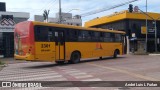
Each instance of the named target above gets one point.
<point>75,57</point>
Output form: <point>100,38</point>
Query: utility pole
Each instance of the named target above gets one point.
<point>60,12</point>
<point>146,29</point>
<point>155,24</point>
<point>155,30</point>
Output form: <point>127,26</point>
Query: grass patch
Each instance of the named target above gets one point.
<point>1,63</point>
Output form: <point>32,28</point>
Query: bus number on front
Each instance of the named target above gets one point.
<point>45,45</point>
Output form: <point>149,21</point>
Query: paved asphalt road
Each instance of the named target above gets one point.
<point>124,68</point>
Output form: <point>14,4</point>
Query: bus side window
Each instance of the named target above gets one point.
<point>50,35</point>
<point>36,31</point>
<point>118,38</point>
<point>80,35</point>
<point>56,34</point>
<point>61,38</point>
<point>84,36</point>
<point>113,37</point>
<point>41,33</point>
<point>96,36</point>
<point>91,33</point>
<point>101,37</point>
<point>72,35</point>
<point>107,37</point>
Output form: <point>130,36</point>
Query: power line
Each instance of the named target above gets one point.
<point>53,4</point>
<point>28,9</point>
<point>105,9</point>
<point>47,5</point>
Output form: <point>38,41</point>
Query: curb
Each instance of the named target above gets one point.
<point>1,56</point>
<point>139,54</point>
<point>4,65</point>
<point>154,54</point>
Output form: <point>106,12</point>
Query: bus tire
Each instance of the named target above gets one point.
<point>100,58</point>
<point>59,62</point>
<point>75,57</point>
<point>115,54</point>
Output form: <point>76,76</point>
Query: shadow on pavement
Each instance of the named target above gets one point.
<point>45,66</point>
<point>11,61</point>
<point>97,60</point>
<point>66,64</point>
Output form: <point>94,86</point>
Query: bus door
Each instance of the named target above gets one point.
<point>60,42</point>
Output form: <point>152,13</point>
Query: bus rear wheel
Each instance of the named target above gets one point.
<point>75,57</point>
<point>115,54</point>
<point>100,58</point>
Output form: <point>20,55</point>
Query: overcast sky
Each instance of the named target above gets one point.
<point>36,7</point>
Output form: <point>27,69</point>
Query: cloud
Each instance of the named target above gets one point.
<point>37,6</point>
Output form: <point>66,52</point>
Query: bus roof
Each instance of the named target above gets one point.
<point>74,27</point>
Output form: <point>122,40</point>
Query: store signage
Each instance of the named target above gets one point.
<point>7,25</point>
<point>133,35</point>
<point>151,30</point>
<point>144,30</point>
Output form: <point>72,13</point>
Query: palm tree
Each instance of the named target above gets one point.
<point>45,15</point>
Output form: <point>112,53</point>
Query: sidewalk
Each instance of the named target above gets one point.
<point>154,54</point>
<point>150,54</point>
<point>11,61</point>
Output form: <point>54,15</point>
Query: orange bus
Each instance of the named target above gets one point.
<point>38,41</point>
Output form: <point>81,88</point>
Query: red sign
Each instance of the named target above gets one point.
<point>136,8</point>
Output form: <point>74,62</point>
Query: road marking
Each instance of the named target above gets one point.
<point>39,78</point>
<point>93,79</point>
<point>70,70</point>
<point>77,74</point>
<point>73,88</point>
<point>63,68</point>
<point>26,74</point>
<point>83,76</point>
<point>77,71</point>
<point>35,77</point>
<point>125,72</point>
<point>10,71</point>
<point>30,76</point>
<point>66,67</point>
